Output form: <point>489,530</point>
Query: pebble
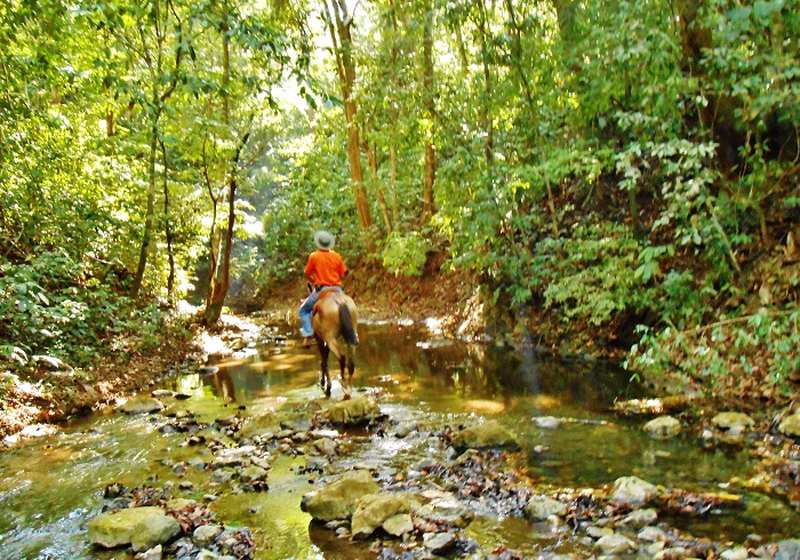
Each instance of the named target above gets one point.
<point>615,544</point>
<point>739,553</point>
<point>652,534</point>
<point>640,518</point>
<point>204,534</point>
<point>671,553</point>
<point>599,532</point>
<point>154,553</point>
<point>547,422</point>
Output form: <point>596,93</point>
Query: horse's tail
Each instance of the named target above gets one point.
<point>346,325</point>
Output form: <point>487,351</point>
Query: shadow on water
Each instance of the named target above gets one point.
<point>49,488</point>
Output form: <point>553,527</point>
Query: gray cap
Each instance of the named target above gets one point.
<point>324,240</point>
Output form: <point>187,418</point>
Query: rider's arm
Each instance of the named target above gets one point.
<point>310,269</point>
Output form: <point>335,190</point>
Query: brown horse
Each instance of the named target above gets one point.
<point>335,323</point>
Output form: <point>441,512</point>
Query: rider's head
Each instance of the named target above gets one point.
<point>324,240</point>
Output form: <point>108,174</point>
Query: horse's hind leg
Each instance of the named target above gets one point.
<point>345,378</point>
<point>325,380</point>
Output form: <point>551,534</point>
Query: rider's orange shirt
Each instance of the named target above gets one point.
<point>325,268</point>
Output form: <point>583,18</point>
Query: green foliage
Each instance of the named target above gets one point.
<point>405,254</point>
<point>56,305</point>
<point>752,350</point>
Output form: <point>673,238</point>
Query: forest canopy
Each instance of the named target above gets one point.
<point>624,171</point>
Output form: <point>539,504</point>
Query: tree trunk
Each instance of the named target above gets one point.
<point>428,205</point>
<point>486,112</point>
<point>393,182</point>
<point>167,224</point>
<point>462,50</point>
<point>345,65</point>
<point>109,123</point>
<point>516,52</point>
<point>219,289</point>
<point>372,158</point>
<point>149,211</point>
<point>719,113</point>
<point>213,236</point>
<point>220,279</point>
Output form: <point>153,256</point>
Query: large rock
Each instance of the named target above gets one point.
<point>663,427</point>
<point>142,405</point>
<point>352,412</point>
<point>542,507</point>
<point>142,528</point>
<point>734,421</point>
<point>488,434</point>
<point>788,550</point>
<point>374,509</point>
<point>790,426</point>
<point>632,490</point>
<point>338,499</point>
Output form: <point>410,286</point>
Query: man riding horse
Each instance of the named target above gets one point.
<point>327,313</point>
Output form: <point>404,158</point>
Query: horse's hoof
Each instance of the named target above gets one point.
<point>346,397</point>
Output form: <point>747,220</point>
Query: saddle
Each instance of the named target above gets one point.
<point>325,293</point>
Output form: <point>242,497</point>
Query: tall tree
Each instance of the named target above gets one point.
<point>429,101</point>
<point>339,22</point>
<point>159,31</point>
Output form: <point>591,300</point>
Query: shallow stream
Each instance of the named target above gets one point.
<point>50,487</point>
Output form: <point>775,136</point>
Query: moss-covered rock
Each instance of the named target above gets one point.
<point>542,507</point>
<point>632,490</point>
<point>142,405</point>
<point>374,509</point>
<point>737,421</point>
<point>142,528</point>
<point>352,412</point>
<point>790,426</point>
<point>663,427</point>
<point>338,499</point>
<point>488,434</point>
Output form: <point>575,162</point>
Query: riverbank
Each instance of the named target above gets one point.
<point>40,392</point>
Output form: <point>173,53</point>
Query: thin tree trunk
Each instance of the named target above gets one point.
<point>486,115</point>
<point>553,217</point>
<point>149,211</point>
<point>462,50</point>
<point>393,182</point>
<point>220,288</point>
<point>213,236</point>
<point>428,204</point>
<point>109,123</point>
<point>167,224</point>
<point>516,44</point>
<point>372,158</point>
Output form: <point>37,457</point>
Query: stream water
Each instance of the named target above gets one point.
<point>50,487</point>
